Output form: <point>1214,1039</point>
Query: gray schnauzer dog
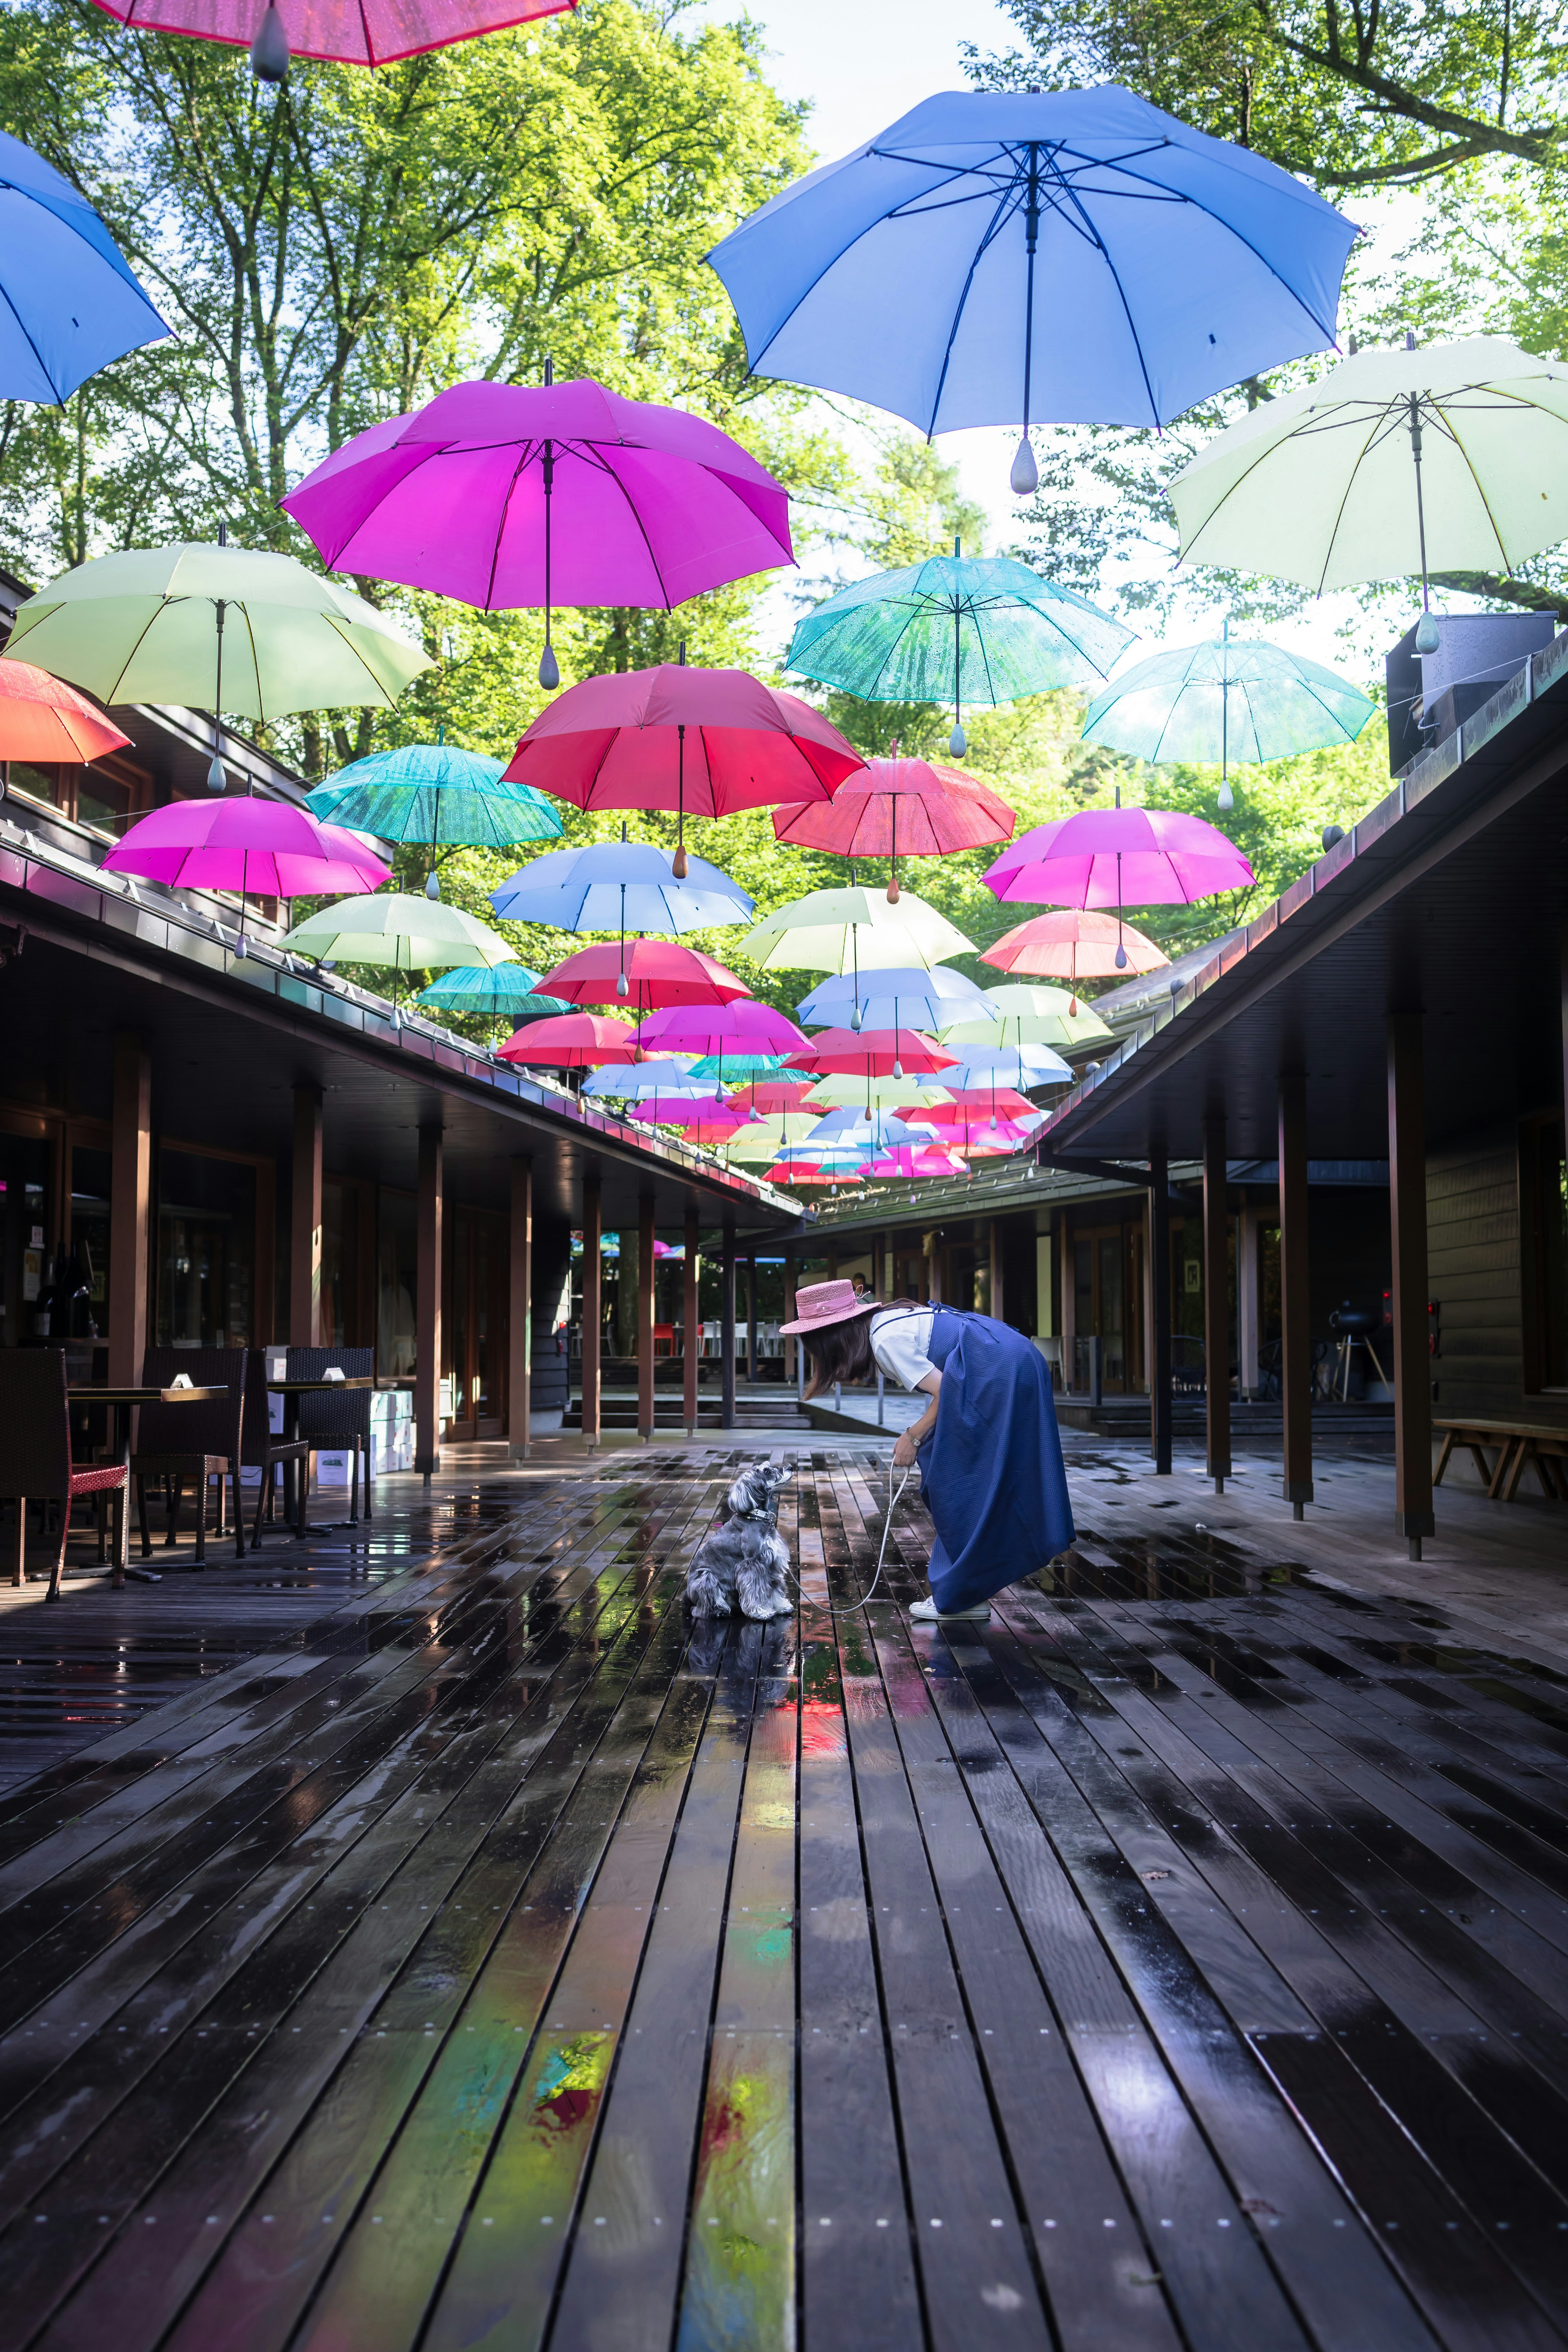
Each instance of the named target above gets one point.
<point>742,1564</point>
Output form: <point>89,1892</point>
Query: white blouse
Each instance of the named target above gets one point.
<point>900,1339</point>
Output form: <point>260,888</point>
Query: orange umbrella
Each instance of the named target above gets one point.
<point>41,717</point>
<point>1073,945</point>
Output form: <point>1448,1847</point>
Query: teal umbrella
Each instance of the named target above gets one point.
<point>955,628</point>
<point>504,991</point>
<point>725,1068</point>
<point>437,793</point>
<point>1237,700</point>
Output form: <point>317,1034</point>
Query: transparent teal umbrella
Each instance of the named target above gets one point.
<point>504,992</point>
<point>725,1068</point>
<point>1239,698</point>
<point>436,793</point>
<point>957,628</point>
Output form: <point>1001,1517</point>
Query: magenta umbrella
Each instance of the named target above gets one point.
<point>349,32</point>
<point>744,1027</point>
<point>504,495</point>
<point>243,844</point>
<point>1118,858</point>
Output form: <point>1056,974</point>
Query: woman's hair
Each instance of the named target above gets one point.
<point>840,1351</point>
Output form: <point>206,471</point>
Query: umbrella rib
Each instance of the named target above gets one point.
<point>1099,242</point>
<point>1485,502</point>
<point>141,636</point>
<point>1003,207</point>
<point>255,660</point>
<point>43,364</point>
<point>517,473</point>
<point>832,259</point>
<point>632,510</point>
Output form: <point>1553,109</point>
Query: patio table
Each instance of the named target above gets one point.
<point>122,1401</point>
<point>291,1392</point>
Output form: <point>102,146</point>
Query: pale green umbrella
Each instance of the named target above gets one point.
<point>1021,1014</point>
<point>394,928</point>
<point>852,930</point>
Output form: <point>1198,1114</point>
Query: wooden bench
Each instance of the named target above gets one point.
<point>1518,1442</point>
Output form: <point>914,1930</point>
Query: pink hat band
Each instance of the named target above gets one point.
<point>826,1302</point>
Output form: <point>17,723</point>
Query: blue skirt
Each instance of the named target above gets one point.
<point>991,1470</point>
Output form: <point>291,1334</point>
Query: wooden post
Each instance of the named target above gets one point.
<point>646,1419</point>
<point>593,1264</point>
<point>1295,1342</point>
<point>305,1222</point>
<point>519,1309</point>
<point>727,1330</point>
<point>1248,1231</point>
<point>427,1308</point>
<point>1217,1302</point>
<point>1407,1209</point>
<point>790,1346</point>
<point>751,1318</point>
<point>693,1326</point>
<point>130,1207</point>
<point>998,1296</point>
<point>1160,1311</point>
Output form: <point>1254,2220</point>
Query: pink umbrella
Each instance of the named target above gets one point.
<point>872,1053</point>
<point>243,843</point>
<point>650,971</point>
<point>709,1113</point>
<point>1073,946</point>
<point>899,808</point>
<point>506,495</point>
<point>570,1041</point>
<point>1119,858</point>
<point>742,1026</point>
<point>349,32</point>
<point>802,1172</point>
<point>905,1159</point>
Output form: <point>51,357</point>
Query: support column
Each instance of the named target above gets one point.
<point>593,1274</point>
<point>692,1342</point>
<point>998,1298</point>
<point>727,1330</point>
<point>1407,1209</point>
<point>1295,1342</point>
<point>519,1309</point>
<point>644,1319</point>
<point>752,1318</point>
<point>1248,1237</point>
<point>1216,1303</point>
<point>1160,1311</point>
<point>130,1207</point>
<point>427,1306</point>
<point>305,1222</point>
<point>790,1346</point>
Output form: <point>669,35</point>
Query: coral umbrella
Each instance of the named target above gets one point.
<point>769,1096</point>
<point>69,303</point>
<point>572,1041</point>
<point>983,1139</point>
<point>41,717</point>
<point>1119,858</point>
<point>894,808</point>
<point>876,1053</point>
<point>345,32</point>
<point>711,741</point>
<point>1074,945</point>
<point>620,885</point>
<point>748,1026</point>
<point>652,972</point>
<point>508,495</point>
<point>850,931</point>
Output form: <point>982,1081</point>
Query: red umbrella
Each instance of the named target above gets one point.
<point>769,1096</point>
<point>1119,858</point>
<point>872,1053</point>
<point>742,1026</point>
<point>43,718</point>
<point>571,1041</point>
<point>899,808</point>
<point>651,971</point>
<point>711,741</point>
<point>1073,946</point>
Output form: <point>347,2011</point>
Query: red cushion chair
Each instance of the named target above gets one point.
<point>36,1455</point>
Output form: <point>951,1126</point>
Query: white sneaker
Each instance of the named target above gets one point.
<point>926,1613</point>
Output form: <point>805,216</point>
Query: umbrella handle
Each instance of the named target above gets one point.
<point>549,667</point>
<point>679,866</point>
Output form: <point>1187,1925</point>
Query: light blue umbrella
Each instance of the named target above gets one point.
<point>1240,700</point>
<point>620,885</point>
<point>1004,1066</point>
<point>69,303</point>
<point>631,1081</point>
<point>1167,264</point>
<point>434,792</point>
<point>903,997</point>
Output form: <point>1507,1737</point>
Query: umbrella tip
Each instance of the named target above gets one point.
<point>218,782</point>
<point>1025,478</point>
<point>1427,638</point>
<point>1120,957</point>
<point>678,865</point>
<point>549,668</point>
<point>1410,338</point>
<point>1226,797</point>
<point>958,741</point>
<point>893,891</point>
<point>269,49</point>
<point>432,883</point>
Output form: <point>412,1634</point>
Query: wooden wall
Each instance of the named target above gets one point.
<point>1473,1230</point>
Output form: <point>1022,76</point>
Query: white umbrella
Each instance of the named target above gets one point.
<point>852,930</point>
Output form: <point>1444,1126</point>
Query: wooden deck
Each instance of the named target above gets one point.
<point>445,1948</point>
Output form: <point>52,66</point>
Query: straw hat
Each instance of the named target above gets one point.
<point>827,1302</point>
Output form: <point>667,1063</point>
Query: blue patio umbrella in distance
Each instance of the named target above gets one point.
<point>1240,700</point>
<point>958,628</point>
<point>1068,256</point>
<point>434,792</point>
<point>902,997</point>
<point>68,302</point>
<point>620,885</point>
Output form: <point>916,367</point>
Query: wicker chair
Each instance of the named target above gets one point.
<point>176,1441</point>
<point>260,1450</point>
<point>36,1455</point>
<point>329,1423</point>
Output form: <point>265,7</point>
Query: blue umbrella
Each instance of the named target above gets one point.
<point>1168,264</point>
<point>903,997</point>
<point>69,303</point>
<point>726,1069</point>
<point>620,885</point>
<point>438,793</point>
<point>1006,1066</point>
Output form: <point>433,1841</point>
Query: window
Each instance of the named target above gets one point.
<point>90,1237</point>
<point>207,1251</point>
<point>396,1283</point>
<point>1543,1199</point>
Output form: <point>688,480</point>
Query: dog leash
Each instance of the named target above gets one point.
<point>893,1502</point>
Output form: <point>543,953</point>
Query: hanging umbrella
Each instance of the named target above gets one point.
<point>573,1041</point>
<point>506,495</point>
<point>898,807</point>
<point>956,629</point>
<point>887,998</point>
<point>68,302</point>
<point>437,794</point>
<point>1240,700</point>
<point>1011,1066</point>
<point>503,989</point>
<point>711,1029</point>
<point>916,1163</point>
<point>807,1172</point>
<point>620,885</point>
<point>724,1067</point>
<point>875,1094</point>
<point>1170,265</point>
<point>652,972</point>
<point>675,737</point>
<point>713,1119</point>
<point>226,628</point>
<point>876,1053</point>
<point>967,1104</point>
<point>347,32</point>
<point>405,933</point>
<point>770,1097</point>
<point>247,844</point>
<point>1021,1015</point>
<point>41,717</point>
<point>1450,459</point>
<point>1074,945</point>
<point>1119,858</point>
<point>984,1138</point>
<point>663,1075</point>
<point>761,1139</point>
<point>852,930</point>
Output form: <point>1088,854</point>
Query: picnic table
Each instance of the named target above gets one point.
<point>1518,1445</point>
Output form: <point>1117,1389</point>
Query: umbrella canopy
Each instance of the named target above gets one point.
<point>743,1023</point>
<point>266,847</point>
<point>875,1094</point>
<point>1023,1016</point>
<point>722,1069</point>
<point>437,793</point>
<point>1011,1066</point>
<point>505,990</point>
<point>887,999</point>
<point>1074,945</point>
<point>762,1139</point>
<point>662,1077</point>
<point>906,274</point>
<point>68,302</point>
<point>1119,858</point>
<point>981,1137</point>
<point>852,930</point>
<point>1452,459</point>
<point>915,1163</point>
<point>620,885</point>
<point>41,717</point>
<point>349,32</point>
<point>707,1116</point>
<point>573,1041</point>
<point>893,808</point>
<point>773,1095</point>
<point>408,934</point>
<point>879,1053</point>
<point>969,1103</point>
<point>806,1173</point>
<point>226,628</point>
<point>649,972</point>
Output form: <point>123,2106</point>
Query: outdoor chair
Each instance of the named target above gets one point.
<point>35,1456</point>
<point>176,1441</point>
<point>328,1423</point>
<point>262,1449</point>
